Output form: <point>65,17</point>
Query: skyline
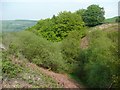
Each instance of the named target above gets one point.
<point>38,9</point>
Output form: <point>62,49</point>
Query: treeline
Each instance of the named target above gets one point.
<point>58,27</point>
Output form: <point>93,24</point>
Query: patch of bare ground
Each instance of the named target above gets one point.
<point>105,26</point>
<point>15,83</point>
<point>84,43</point>
<point>62,79</point>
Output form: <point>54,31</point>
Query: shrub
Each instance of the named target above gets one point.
<point>8,68</point>
<point>37,50</point>
<point>70,49</point>
<point>99,63</point>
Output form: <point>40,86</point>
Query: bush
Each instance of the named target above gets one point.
<point>8,68</point>
<point>99,63</point>
<point>37,50</point>
<point>70,49</point>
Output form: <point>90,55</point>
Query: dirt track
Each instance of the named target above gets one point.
<point>62,79</point>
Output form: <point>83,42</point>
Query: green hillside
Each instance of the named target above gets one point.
<point>16,25</point>
<point>111,20</point>
<point>69,50</point>
<point>98,59</point>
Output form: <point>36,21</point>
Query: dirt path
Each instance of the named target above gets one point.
<point>84,43</point>
<point>62,79</point>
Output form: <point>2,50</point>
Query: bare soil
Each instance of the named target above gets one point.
<point>61,79</point>
<point>84,43</point>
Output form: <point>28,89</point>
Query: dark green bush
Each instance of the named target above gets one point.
<point>94,15</point>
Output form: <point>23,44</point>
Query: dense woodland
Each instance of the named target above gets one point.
<point>55,44</point>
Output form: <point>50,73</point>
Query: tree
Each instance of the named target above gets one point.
<point>80,12</point>
<point>94,15</point>
<point>58,27</point>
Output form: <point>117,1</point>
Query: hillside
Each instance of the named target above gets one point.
<point>29,72</point>
<point>16,25</point>
<point>111,20</point>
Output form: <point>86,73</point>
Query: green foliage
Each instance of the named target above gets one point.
<point>94,15</point>
<point>58,27</point>
<point>37,50</point>
<point>80,12</point>
<point>57,56</point>
<point>9,69</point>
<point>99,63</point>
<point>70,49</point>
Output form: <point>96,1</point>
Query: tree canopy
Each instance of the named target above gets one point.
<point>58,27</point>
<point>94,15</point>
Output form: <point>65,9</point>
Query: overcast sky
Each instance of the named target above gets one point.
<point>40,9</point>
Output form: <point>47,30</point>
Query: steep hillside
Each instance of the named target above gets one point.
<point>32,76</point>
<point>19,73</point>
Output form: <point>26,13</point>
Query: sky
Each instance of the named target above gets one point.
<point>41,9</point>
